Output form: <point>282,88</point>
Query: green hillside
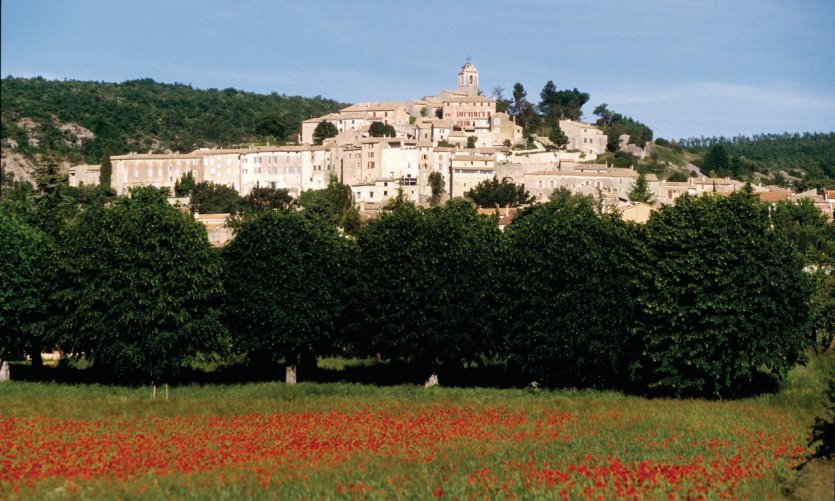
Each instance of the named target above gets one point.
<point>43,116</point>
<point>808,157</point>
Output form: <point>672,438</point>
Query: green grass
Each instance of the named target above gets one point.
<point>605,425</point>
<point>663,154</point>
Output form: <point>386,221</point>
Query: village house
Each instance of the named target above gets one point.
<point>84,174</point>
<point>379,168</point>
<point>584,138</point>
<point>159,170</point>
<point>596,180</point>
<point>467,170</point>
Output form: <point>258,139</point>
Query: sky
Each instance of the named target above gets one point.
<point>686,68</point>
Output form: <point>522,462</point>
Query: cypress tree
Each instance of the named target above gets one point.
<point>106,170</point>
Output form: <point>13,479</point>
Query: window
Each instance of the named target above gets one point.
<point>370,194</point>
<point>539,184</point>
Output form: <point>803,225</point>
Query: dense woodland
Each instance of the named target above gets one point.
<point>143,115</point>
<point>808,156</point>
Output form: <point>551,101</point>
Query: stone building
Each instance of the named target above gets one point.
<point>85,174</point>
<point>160,170</point>
<point>584,137</point>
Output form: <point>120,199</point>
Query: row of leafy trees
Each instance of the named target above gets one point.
<point>695,302</point>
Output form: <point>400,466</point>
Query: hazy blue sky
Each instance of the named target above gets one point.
<point>686,68</point>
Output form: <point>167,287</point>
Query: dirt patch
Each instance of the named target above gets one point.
<point>15,163</point>
<point>75,133</point>
<point>816,481</point>
<point>23,167</point>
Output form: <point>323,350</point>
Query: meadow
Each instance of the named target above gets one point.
<point>346,440</point>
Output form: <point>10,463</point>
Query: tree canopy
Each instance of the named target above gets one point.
<point>24,287</point>
<point>437,268</point>
<point>727,295</point>
<point>184,186</point>
<point>106,171</point>
<point>334,205</point>
<point>523,111</point>
<point>323,131</point>
<point>570,277</point>
<point>142,115</point>
<point>210,198</point>
<point>282,274</point>
<point>139,284</point>
<point>640,191</point>
<point>379,129</point>
<point>615,125</point>
<point>437,186</point>
<point>716,161</point>
<point>495,193</point>
<point>262,199</point>
<point>809,156</point>
<point>558,105</point>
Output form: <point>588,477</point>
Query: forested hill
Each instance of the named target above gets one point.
<point>77,121</point>
<point>809,157</point>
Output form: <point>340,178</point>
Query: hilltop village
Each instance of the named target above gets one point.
<point>457,133</point>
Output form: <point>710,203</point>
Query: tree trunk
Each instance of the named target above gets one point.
<point>290,375</point>
<point>37,361</point>
<point>4,372</point>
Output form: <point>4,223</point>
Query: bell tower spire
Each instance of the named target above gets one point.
<point>468,79</point>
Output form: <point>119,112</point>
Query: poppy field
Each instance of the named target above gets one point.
<point>337,440</point>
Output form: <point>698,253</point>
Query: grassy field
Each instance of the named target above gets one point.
<point>341,440</point>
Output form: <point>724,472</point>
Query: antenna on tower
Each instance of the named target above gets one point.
<point>468,58</point>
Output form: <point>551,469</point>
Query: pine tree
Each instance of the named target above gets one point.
<point>640,191</point>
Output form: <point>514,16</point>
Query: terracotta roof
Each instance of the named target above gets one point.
<point>774,196</point>
<point>378,106</point>
<point>87,167</point>
<point>476,158</point>
<point>469,99</point>
<point>155,156</point>
<point>615,172</point>
<point>675,184</point>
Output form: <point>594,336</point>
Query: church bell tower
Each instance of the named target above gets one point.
<point>468,79</point>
